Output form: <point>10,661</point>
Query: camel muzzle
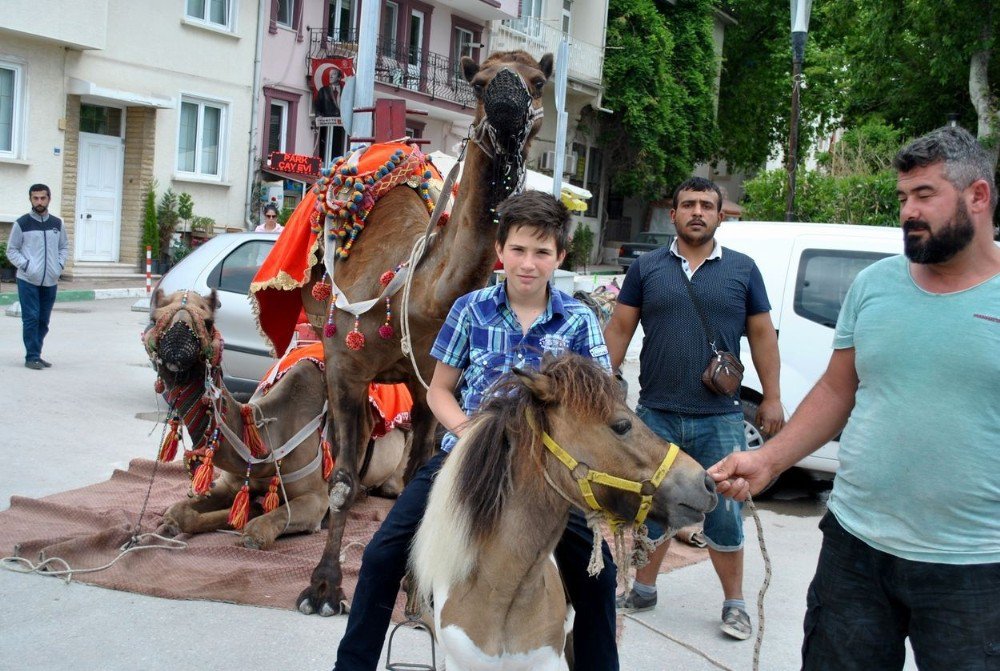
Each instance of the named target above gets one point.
<point>178,348</point>
<point>507,102</point>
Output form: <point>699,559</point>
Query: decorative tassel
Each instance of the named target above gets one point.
<point>327,460</point>
<point>159,386</point>
<point>385,330</point>
<point>201,481</point>
<point>168,450</point>
<point>330,329</point>
<point>251,436</point>
<point>271,499</point>
<point>355,339</point>
<point>240,512</point>
<point>322,289</point>
<point>386,277</point>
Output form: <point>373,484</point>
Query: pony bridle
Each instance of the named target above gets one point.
<point>584,475</point>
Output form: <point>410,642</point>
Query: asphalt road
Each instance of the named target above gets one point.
<point>93,411</point>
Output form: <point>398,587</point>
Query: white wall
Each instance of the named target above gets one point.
<point>82,25</point>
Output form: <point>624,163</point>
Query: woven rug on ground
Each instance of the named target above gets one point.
<point>87,526</point>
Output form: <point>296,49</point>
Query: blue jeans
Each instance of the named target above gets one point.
<point>36,308</point>
<point>708,439</point>
<point>384,564</point>
<point>863,603</point>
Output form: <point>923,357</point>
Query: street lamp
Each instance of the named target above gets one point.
<point>800,28</point>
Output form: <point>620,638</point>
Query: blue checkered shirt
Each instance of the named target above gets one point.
<point>483,338</point>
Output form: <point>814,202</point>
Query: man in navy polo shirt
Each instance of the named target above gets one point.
<point>673,401</point>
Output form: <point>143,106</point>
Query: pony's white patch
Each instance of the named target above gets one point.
<point>442,552</point>
<point>462,654</point>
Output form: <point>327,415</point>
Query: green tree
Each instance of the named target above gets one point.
<point>659,72</point>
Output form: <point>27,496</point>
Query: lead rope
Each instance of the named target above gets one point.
<point>760,604</point>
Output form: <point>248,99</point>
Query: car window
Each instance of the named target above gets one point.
<point>237,269</point>
<point>654,238</point>
<point>824,277</point>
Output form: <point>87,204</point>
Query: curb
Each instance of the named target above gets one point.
<point>9,298</point>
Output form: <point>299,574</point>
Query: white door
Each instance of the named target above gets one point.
<point>99,196</point>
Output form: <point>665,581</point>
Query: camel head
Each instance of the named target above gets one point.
<point>181,337</point>
<point>508,88</point>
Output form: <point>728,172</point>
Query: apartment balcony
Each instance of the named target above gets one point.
<point>437,76</point>
<point>586,61</point>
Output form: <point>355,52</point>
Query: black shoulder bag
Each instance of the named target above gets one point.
<point>724,372</point>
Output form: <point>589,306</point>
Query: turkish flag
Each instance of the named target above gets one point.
<point>330,72</point>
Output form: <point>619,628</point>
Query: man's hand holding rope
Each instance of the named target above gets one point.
<point>742,474</point>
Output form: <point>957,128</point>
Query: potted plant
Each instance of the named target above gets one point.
<point>167,216</point>
<point>7,270</point>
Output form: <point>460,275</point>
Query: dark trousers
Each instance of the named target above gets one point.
<point>36,308</point>
<point>384,564</point>
<point>863,603</point>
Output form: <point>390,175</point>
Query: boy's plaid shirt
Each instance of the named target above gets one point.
<point>481,337</point>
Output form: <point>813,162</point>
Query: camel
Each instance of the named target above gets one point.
<point>546,442</point>
<point>458,259</point>
<point>187,352</point>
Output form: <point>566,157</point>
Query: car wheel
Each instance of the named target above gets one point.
<point>754,434</point>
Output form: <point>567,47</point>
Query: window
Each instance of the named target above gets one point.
<point>529,19</point>
<point>341,20</point>
<point>215,12</point>
<point>567,16</point>
<point>825,275</point>
<point>11,114</point>
<point>238,268</point>
<point>100,120</point>
<point>387,31</point>
<point>462,45</point>
<point>200,137</point>
<point>286,13</point>
<point>277,127</point>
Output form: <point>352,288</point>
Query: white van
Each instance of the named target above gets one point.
<point>807,270</point>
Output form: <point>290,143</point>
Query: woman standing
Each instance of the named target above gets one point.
<point>270,224</point>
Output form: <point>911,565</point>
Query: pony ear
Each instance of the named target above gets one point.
<point>539,385</point>
<point>545,65</point>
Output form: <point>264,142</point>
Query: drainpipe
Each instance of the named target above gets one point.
<point>599,106</point>
<point>254,105</point>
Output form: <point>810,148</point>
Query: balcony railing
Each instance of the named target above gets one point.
<point>586,61</point>
<point>435,75</point>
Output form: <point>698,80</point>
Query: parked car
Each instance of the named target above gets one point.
<point>644,242</point>
<point>227,263</point>
<point>807,270</point>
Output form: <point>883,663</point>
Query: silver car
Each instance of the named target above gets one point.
<point>227,263</point>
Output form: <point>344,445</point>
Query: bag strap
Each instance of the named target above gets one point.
<point>709,333</point>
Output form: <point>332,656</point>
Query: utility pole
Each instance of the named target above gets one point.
<point>800,29</point>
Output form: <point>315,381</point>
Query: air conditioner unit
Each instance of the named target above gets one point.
<point>547,161</point>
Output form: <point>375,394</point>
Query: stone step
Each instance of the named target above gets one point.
<point>98,270</point>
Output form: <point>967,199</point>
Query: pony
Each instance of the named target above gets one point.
<point>544,442</point>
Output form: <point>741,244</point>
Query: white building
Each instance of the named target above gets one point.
<point>98,99</point>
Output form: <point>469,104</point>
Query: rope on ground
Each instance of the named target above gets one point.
<point>760,603</point>
<point>21,565</point>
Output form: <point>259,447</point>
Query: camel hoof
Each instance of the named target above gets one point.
<point>251,543</point>
<point>305,607</point>
<point>323,601</point>
<point>169,529</point>
<point>342,608</point>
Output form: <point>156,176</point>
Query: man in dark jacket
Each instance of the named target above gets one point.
<point>38,248</point>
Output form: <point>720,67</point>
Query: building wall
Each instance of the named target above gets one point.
<point>81,25</point>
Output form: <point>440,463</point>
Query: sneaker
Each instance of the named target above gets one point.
<point>736,623</point>
<point>45,363</point>
<point>633,602</point>
<point>34,365</point>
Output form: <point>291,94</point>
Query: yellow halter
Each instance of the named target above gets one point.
<point>584,476</point>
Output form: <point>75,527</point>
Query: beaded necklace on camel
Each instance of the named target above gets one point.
<point>346,194</point>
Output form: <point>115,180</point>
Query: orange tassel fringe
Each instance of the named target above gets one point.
<point>271,500</point>
<point>240,511</point>
<point>201,481</point>
<point>251,436</point>
<point>327,460</point>
<point>168,450</point>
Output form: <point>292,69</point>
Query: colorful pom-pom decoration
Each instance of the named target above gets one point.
<point>386,278</point>
<point>329,329</point>
<point>322,290</point>
<point>385,331</point>
<point>355,340</point>
<point>159,386</point>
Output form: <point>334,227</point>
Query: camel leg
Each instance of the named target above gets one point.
<point>301,513</point>
<point>201,515</point>
<point>350,418</point>
<point>422,438</point>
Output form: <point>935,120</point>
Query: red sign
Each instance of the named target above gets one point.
<point>296,164</point>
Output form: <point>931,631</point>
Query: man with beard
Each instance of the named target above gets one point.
<point>692,298</point>
<point>38,248</point>
<point>911,542</point>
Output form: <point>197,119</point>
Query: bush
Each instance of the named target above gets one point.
<point>284,215</point>
<point>580,246</point>
<point>167,217</point>
<point>849,199</point>
<point>150,226</point>
<point>4,261</point>
<point>203,225</point>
